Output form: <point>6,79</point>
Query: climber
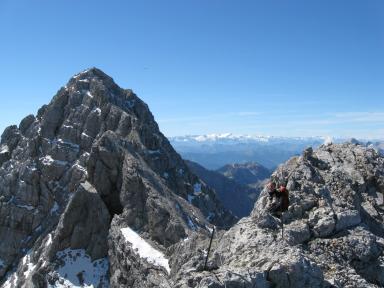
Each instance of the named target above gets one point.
<point>278,199</point>
<point>278,202</point>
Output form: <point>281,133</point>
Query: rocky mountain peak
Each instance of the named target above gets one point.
<point>101,89</point>
<point>74,178</point>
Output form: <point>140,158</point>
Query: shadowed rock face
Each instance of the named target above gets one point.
<point>333,230</point>
<point>236,197</point>
<point>91,162</point>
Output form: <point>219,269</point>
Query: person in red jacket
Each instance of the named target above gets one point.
<point>278,199</point>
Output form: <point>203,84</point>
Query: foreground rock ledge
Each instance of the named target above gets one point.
<point>333,231</point>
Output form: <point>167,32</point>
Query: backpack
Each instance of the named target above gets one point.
<point>285,199</point>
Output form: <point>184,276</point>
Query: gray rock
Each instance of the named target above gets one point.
<point>11,137</point>
<point>5,154</point>
<point>26,123</point>
<point>84,224</point>
<point>93,154</point>
<point>333,230</point>
<point>346,219</point>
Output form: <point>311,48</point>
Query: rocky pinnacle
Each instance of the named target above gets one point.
<point>89,164</point>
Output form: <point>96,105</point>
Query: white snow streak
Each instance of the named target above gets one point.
<point>28,207</point>
<point>49,240</point>
<point>89,94</point>
<point>145,250</point>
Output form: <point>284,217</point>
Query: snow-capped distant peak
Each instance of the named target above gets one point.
<point>213,137</point>
<point>241,138</point>
<point>218,137</point>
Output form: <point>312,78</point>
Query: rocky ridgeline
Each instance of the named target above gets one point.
<point>89,164</point>
<point>333,231</point>
<point>91,193</point>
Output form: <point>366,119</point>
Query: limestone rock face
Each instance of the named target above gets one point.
<point>333,232</point>
<point>91,163</point>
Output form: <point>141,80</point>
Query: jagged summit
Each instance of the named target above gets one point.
<point>92,80</point>
<point>90,165</point>
<point>92,71</point>
<point>95,74</point>
<point>94,90</point>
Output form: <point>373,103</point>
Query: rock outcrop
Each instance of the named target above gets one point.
<point>333,232</point>
<point>89,164</point>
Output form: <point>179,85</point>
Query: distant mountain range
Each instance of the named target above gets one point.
<point>216,150</point>
<point>227,138</point>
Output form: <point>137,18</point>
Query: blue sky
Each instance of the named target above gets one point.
<point>288,68</point>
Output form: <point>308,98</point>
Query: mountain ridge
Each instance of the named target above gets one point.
<point>216,150</point>
<point>333,230</point>
<point>90,164</point>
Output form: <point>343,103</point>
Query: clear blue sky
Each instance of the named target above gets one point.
<point>291,68</point>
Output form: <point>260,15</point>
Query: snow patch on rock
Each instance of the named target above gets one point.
<point>4,149</point>
<point>144,249</point>
<point>48,160</point>
<point>78,270</point>
<point>89,94</point>
<point>97,110</point>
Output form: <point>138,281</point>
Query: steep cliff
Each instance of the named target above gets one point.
<point>90,164</point>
